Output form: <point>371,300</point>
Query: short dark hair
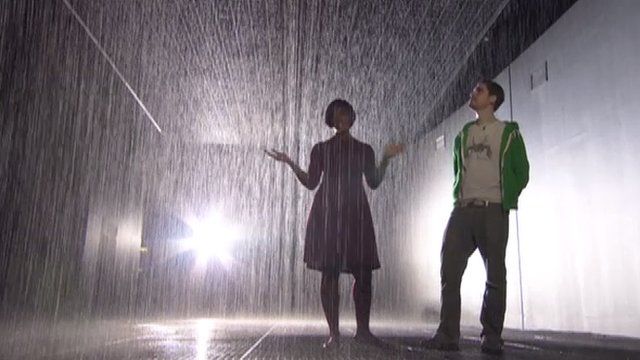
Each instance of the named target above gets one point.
<point>334,106</point>
<point>496,90</point>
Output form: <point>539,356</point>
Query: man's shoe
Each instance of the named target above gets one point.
<point>492,346</point>
<point>436,344</point>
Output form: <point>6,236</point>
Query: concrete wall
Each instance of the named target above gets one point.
<point>579,229</point>
<point>577,223</point>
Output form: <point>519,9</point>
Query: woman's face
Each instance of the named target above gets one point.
<point>341,120</point>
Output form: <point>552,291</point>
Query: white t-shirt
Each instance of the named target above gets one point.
<point>481,177</point>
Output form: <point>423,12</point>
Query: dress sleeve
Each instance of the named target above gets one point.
<point>372,174</point>
<point>315,168</point>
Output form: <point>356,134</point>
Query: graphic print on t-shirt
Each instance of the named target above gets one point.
<point>479,150</point>
<point>481,177</point>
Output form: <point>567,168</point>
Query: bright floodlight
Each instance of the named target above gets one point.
<point>212,238</point>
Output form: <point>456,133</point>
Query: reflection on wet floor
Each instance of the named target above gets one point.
<point>264,339</point>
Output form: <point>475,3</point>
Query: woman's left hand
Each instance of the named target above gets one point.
<point>392,150</point>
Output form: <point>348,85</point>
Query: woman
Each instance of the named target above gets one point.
<point>340,235</point>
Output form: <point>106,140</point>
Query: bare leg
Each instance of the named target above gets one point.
<point>362,293</point>
<point>330,301</point>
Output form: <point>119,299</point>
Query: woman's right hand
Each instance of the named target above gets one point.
<point>278,156</point>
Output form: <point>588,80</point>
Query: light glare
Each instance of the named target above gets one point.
<point>212,238</point>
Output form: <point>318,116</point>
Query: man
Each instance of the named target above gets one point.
<point>491,169</point>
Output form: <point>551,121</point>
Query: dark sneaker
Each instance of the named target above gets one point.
<point>437,344</point>
<point>492,346</point>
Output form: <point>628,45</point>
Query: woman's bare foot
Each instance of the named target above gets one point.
<point>332,342</point>
<point>366,337</point>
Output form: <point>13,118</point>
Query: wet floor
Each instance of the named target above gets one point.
<point>265,339</point>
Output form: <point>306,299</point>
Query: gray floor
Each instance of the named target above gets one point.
<point>264,339</point>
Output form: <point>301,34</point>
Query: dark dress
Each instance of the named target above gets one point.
<point>340,235</point>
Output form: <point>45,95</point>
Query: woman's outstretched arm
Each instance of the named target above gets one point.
<point>375,174</point>
<point>309,179</point>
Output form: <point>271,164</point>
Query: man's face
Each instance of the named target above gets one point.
<point>341,120</point>
<point>480,99</point>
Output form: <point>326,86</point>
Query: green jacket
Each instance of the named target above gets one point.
<point>514,165</point>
